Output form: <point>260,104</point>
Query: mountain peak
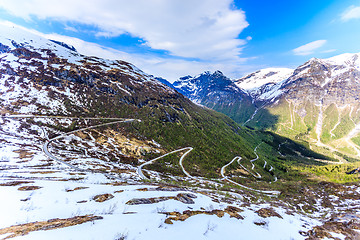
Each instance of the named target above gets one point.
<point>218,72</point>
<point>262,77</point>
<point>351,59</point>
<point>65,45</point>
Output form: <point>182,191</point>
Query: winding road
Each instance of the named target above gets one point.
<point>51,156</point>
<point>139,169</point>
<point>225,178</point>
<point>61,117</point>
<point>222,171</point>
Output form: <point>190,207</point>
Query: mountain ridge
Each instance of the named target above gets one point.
<point>296,99</point>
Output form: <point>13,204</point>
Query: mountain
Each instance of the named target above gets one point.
<point>164,81</point>
<point>259,81</point>
<point>40,77</point>
<point>89,144</point>
<point>216,91</point>
<point>318,102</point>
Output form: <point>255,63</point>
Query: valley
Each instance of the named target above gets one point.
<point>314,104</point>
<point>97,149</point>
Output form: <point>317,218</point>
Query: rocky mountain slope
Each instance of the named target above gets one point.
<point>51,88</point>
<point>317,102</point>
<point>80,135</point>
<point>258,82</point>
<point>216,91</point>
<point>42,77</point>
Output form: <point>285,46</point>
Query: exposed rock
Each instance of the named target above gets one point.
<point>24,229</point>
<point>75,189</point>
<point>103,197</point>
<point>268,212</point>
<point>233,212</point>
<point>345,228</point>
<point>260,223</point>
<point>138,201</point>
<point>169,188</point>
<point>28,188</point>
<point>176,216</point>
<point>168,221</point>
<point>186,198</point>
<point>15,183</point>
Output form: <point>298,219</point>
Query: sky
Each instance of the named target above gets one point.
<point>174,38</point>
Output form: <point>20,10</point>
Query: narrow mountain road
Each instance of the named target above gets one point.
<point>222,171</point>
<point>51,156</point>
<point>225,178</point>
<point>257,175</point>
<point>257,156</point>
<point>139,169</point>
<point>279,149</point>
<point>181,163</point>
<point>60,117</point>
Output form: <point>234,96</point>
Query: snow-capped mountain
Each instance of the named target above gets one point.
<point>216,91</point>
<point>262,77</point>
<point>208,87</point>
<point>259,83</point>
<point>317,101</point>
<point>75,134</point>
<point>44,73</point>
<point>335,76</point>
<point>333,80</point>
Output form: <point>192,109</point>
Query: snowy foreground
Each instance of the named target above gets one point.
<point>34,188</point>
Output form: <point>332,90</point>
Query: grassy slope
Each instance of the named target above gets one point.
<point>330,118</point>
<point>345,126</point>
<point>216,139</point>
<point>239,111</point>
<point>284,119</point>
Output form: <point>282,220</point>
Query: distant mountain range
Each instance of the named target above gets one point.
<point>317,102</point>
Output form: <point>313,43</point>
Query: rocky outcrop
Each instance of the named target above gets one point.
<point>268,212</point>
<point>103,197</point>
<point>176,216</point>
<point>24,229</point>
<point>186,198</point>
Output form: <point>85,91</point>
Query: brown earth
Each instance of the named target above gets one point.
<point>24,229</point>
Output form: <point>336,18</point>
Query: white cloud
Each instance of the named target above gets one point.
<point>71,29</point>
<point>206,29</point>
<point>309,48</point>
<point>168,68</point>
<point>329,51</point>
<point>352,12</point>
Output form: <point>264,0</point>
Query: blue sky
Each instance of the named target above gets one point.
<point>173,38</point>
